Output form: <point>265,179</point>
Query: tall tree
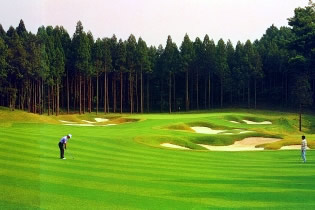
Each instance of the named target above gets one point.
<point>81,55</point>
<point>221,66</point>
<point>303,63</point>
<point>131,63</point>
<point>187,55</point>
<point>153,57</point>
<point>143,65</point>
<point>198,65</point>
<point>209,62</point>
<point>3,68</point>
<point>98,61</point>
<point>17,61</point>
<point>107,61</point>
<point>121,65</point>
<point>170,59</point>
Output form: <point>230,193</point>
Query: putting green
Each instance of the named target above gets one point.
<point>124,166</point>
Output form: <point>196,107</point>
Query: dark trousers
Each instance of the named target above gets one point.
<point>62,150</point>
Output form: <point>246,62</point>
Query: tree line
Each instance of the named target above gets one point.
<point>50,71</point>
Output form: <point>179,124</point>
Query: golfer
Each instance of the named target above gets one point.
<point>63,145</point>
<point>303,148</point>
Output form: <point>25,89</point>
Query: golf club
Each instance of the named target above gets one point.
<point>70,154</point>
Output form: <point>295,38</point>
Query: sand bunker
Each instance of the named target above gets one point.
<point>80,124</point>
<point>246,132</point>
<point>100,120</point>
<point>257,123</point>
<point>206,130</point>
<point>234,122</point>
<point>174,146</point>
<point>88,121</point>
<point>63,121</point>
<point>292,147</point>
<point>109,125</point>
<point>247,144</point>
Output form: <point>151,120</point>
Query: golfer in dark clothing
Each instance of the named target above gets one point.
<point>63,145</point>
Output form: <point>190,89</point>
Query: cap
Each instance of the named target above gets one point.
<point>70,135</point>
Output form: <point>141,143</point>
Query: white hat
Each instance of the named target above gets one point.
<point>70,135</point>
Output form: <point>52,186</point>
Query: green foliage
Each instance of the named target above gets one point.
<point>3,62</point>
<point>81,49</point>
<point>187,53</point>
<point>302,91</point>
<point>142,56</point>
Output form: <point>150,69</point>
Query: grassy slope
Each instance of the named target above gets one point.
<point>112,171</point>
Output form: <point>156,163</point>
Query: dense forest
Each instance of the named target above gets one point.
<point>51,72</point>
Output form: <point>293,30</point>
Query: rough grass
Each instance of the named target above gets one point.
<point>123,167</point>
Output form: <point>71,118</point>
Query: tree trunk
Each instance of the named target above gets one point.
<point>91,95</point>
<point>80,104</point>
<point>105,91</point>
<point>161,95</point>
<point>34,96</point>
<point>148,94</point>
<point>131,91</point>
<point>174,94</point>
<point>141,91</point>
<point>68,95</point>
<point>74,83</point>
<point>42,96</point>
<point>53,100</point>
<point>170,93</point>
<point>187,97</point>
<point>121,92</point>
<point>29,96</point>
<point>248,93</point>
<point>84,88</point>
<point>197,90</point>
<point>57,100</point>
<point>255,93</point>
<point>48,90</point>
<point>286,89</point>
<point>39,97</point>
<point>97,94</point>
<point>137,98</point>
<point>114,89</point>
<point>221,92</point>
<point>205,91</point>
<point>209,92</point>
<point>300,118</point>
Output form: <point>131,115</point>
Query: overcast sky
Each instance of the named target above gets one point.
<point>237,20</point>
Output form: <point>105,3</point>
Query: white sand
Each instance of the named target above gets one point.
<point>234,121</point>
<point>247,144</point>
<point>246,132</point>
<point>80,124</point>
<point>292,147</point>
<point>174,146</point>
<point>100,120</point>
<point>257,123</point>
<point>63,121</point>
<point>109,125</point>
<point>206,130</point>
<point>88,121</point>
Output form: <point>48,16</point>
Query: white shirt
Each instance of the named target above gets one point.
<point>304,144</point>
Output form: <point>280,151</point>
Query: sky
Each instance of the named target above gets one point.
<point>154,20</point>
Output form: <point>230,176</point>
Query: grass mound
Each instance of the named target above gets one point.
<point>157,140</point>
<point>180,126</point>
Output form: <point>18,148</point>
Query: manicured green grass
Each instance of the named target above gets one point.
<point>123,166</point>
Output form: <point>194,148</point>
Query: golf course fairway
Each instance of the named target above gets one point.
<point>119,163</point>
